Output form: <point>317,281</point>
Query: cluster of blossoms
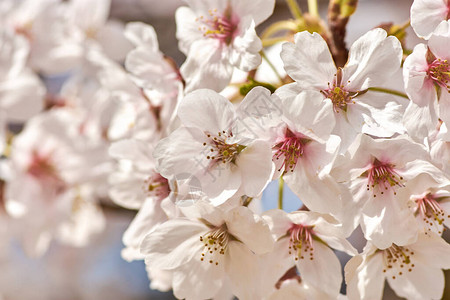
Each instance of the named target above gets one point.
<point>359,142</point>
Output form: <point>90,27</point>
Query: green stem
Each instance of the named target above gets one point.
<point>264,56</point>
<point>388,91</point>
<point>295,9</point>
<point>272,41</point>
<point>313,8</point>
<point>280,192</point>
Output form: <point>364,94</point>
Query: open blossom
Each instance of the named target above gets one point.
<point>373,59</point>
<point>413,271</point>
<point>426,75</point>
<point>208,248</point>
<point>54,204</point>
<point>431,207</point>
<point>299,131</point>
<point>426,15</point>
<point>377,174</point>
<point>217,36</point>
<point>305,239</point>
<point>297,289</point>
<point>211,148</point>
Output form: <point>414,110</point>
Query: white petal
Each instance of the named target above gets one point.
<point>426,16</point>
<point>323,271</point>
<point>206,110</point>
<point>250,229</point>
<point>255,164</point>
<point>367,55</point>
<point>173,243</point>
<point>309,61</point>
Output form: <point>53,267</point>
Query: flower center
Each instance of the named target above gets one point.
<point>44,171</point>
<point>220,150</point>
<point>215,244</point>
<point>290,149</point>
<point>221,27</point>
<point>157,186</point>
<point>439,72</point>
<point>430,210</point>
<point>382,176</point>
<point>301,241</point>
<point>399,258</point>
<point>338,94</point>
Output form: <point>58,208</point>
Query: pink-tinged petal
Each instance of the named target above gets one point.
<point>90,14</point>
<point>205,66</point>
<point>250,229</point>
<point>173,243</point>
<point>256,167</point>
<point>364,277</point>
<point>149,216</point>
<point>141,34</point>
<point>242,266</point>
<point>423,282</point>
<point>419,88</point>
<point>259,10</point>
<point>197,280</point>
<point>323,270</point>
<point>426,16</point>
<point>309,61</point>
<point>367,55</point>
<point>432,251</point>
<point>386,220</point>
<point>217,113</point>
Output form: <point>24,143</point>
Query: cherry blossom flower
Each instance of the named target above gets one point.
<point>356,109</point>
<point>54,200</point>
<point>217,36</point>
<point>299,131</point>
<point>208,248</point>
<point>305,238</point>
<point>426,15</point>
<point>413,271</point>
<point>378,173</point>
<point>211,148</point>
<point>426,76</point>
<point>431,207</point>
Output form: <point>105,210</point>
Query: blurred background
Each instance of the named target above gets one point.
<point>98,271</point>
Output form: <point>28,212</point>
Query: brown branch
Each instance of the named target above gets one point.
<point>339,12</point>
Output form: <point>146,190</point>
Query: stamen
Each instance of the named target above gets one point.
<point>219,150</point>
<point>156,186</point>
<point>439,72</point>
<point>301,241</point>
<point>221,27</point>
<point>42,168</point>
<point>431,211</point>
<point>398,258</point>
<point>338,93</point>
<point>215,244</point>
<point>290,149</point>
<point>383,177</point>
